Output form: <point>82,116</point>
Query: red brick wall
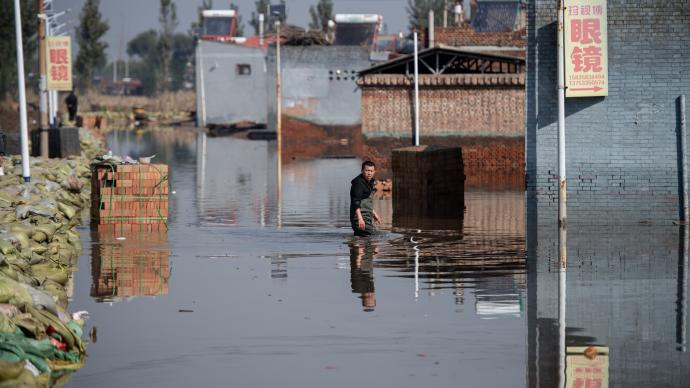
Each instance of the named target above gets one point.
<point>479,107</point>
<point>467,36</point>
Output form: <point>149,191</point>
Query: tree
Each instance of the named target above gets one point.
<point>320,15</point>
<point>143,48</point>
<point>147,65</point>
<point>168,21</point>
<point>182,54</point>
<point>238,20</point>
<point>8,69</point>
<point>261,8</point>
<point>418,13</point>
<point>206,4</point>
<point>91,55</point>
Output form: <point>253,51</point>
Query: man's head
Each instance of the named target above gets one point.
<point>369,301</point>
<point>368,170</point>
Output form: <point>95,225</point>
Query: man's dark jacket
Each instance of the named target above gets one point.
<point>361,189</point>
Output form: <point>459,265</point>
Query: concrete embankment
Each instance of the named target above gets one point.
<point>40,341</point>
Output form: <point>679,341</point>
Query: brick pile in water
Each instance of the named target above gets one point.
<point>129,264</point>
<point>133,197</point>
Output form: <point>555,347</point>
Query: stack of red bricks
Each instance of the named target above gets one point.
<point>132,196</point>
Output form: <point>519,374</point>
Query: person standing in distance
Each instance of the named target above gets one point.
<point>72,102</point>
<point>362,214</point>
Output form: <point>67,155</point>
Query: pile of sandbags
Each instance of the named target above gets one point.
<point>40,342</point>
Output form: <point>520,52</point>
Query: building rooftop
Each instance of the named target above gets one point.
<point>442,59</point>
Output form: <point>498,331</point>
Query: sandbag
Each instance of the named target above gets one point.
<point>67,210</point>
<point>13,292</point>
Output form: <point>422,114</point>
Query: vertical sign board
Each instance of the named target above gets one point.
<point>587,367</point>
<point>586,48</point>
<point>59,62</point>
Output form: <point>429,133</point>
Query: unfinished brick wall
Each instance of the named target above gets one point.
<point>456,105</point>
<point>467,36</point>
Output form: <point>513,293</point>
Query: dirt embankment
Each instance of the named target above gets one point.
<point>9,114</point>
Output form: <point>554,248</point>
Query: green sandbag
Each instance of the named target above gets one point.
<point>56,291</point>
<point>10,370</point>
<point>21,228</point>
<point>51,272</point>
<point>27,379</point>
<point>12,292</point>
<point>73,237</point>
<point>68,336</point>
<point>6,325</point>
<point>18,238</point>
<point>39,236</point>
<point>37,248</point>
<point>67,210</point>
<point>15,346</point>
<point>47,229</point>
<point>19,263</point>
<point>10,272</point>
<point>6,247</point>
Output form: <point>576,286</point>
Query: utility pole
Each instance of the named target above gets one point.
<point>42,92</point>
<point>261,30</point>
<point>279,125</point>
<point>562,231</point>
<point>416,91</point>
<point>561,120</point>
<point>445,13</point>
<point>279,113</point>
<point>23,127</point>
<point>431,28</point>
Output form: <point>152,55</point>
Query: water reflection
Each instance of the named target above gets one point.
<point>128,263</point>
<point>460,255</point>
<point>287,298</point>
<point>626,289</point>
<point>362,253</point>
<point>235,181</point>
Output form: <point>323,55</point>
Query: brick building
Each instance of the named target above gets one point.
<point>622,155</point>
<point>467,38</point>
<point>471,99</point>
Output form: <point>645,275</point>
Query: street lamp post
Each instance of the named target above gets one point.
<point>23,128</point>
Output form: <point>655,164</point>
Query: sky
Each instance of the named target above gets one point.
<point>127,18</point>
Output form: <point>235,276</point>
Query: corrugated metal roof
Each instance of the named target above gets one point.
<point>446,50</point>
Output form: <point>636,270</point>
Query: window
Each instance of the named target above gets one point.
<point>244,69</point>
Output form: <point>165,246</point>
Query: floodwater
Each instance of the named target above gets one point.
<point>259,283</point>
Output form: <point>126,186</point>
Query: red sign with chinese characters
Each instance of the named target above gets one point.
<point>586,54</point>
<point>59,63</point>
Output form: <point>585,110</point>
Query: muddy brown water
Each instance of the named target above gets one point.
<point>258,285</point>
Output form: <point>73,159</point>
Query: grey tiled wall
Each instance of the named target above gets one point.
<point>622,150</point>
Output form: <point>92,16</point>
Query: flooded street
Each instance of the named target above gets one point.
<point>257,284</point>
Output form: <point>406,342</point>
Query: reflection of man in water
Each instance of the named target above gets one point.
<point>362,273</point>
<point>362,214</point>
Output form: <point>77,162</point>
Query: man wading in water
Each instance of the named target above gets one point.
<point>362,214</point>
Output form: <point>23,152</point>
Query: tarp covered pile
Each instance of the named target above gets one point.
<point>40,342</point>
